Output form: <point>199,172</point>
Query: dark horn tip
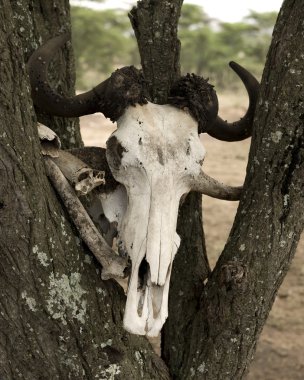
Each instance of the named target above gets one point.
<point>233,64</point>
<point>248,79</point>
<point>241,129</point>
<point>58,41</point>
<point>65,37</point>
<point>238,69</point>
<point>44,53</point>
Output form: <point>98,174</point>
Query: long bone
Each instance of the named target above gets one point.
<point>62,166</point>
<point>155,156</point>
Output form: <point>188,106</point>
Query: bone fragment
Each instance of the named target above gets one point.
<point>80,175</point>
<point>50,142</point>
<point>113,265</point>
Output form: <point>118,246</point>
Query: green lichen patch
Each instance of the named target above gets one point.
<point>66,297</point>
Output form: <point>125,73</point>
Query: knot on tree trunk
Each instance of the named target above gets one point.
<point>233,275</point>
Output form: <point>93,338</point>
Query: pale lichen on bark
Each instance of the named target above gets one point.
<point>42,261</point>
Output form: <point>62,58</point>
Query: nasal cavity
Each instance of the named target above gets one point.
<point>143,272</point>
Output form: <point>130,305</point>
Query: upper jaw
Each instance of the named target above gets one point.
<point>150,238</point>
<point>147,306</point>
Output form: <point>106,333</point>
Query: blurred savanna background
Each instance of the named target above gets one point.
<point>103,41</point>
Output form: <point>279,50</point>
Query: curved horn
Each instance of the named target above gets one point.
<point>111,97</point>
<point>209,186</point>
<point>44,96</point>
<point>239,130</point>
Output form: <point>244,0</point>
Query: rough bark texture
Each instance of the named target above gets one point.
<point>58,320</point>
<point>155,25</point>
<point>36,21</point>
<point>238,296</point>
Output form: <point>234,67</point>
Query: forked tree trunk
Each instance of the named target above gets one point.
<point>58,320</point>
<point>234,305</point>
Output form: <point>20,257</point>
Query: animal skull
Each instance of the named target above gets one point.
<point>155,155</point>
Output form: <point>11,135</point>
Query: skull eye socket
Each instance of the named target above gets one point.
<point>116,151</point>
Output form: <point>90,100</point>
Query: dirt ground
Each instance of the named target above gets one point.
<point>280,351</point>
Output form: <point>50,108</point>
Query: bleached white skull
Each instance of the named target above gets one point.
<point>155,153</point>
<point>156,156</point>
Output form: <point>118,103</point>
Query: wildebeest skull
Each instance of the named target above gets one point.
<point>156,157</point>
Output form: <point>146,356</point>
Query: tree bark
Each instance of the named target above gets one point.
<point>190,269</point>
<point>36,21</point>
<point>58,320</point>
<point>238,296</point>
<point>155,26</point>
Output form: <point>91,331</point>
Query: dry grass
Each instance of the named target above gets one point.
<point>280,352</point>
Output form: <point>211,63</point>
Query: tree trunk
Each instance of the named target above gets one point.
<point>38,21</point>
<point>155,26</point>
<point>235,303</point>
<point>58,319</point>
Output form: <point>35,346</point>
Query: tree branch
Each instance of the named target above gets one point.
<point>155,26</point>
<point>240,292</point>
<point>37,22</point>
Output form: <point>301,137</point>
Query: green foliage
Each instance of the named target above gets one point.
<point>208,45</point>
<point>104,41</point>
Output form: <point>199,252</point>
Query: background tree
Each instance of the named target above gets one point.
<point>207,44</point>
<point>110,44</point>
<point>58,319</point>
